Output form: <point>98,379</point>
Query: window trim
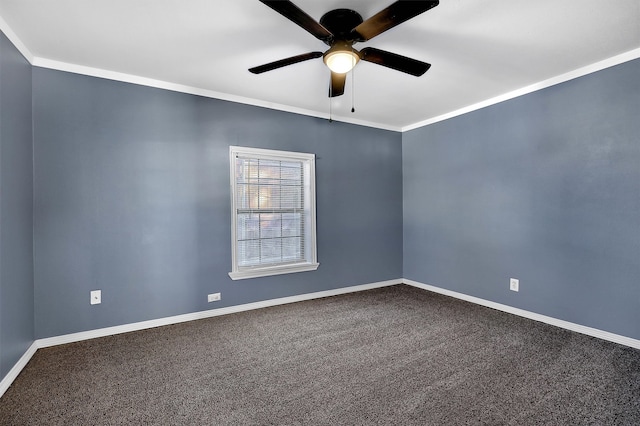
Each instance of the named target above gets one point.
<point>311,262</point>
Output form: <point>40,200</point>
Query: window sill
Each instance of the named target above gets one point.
<point>275,270</point>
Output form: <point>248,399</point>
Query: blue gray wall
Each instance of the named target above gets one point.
<point>544,188</point>
<point>132,197</point>
<point>16,207</point>
<point>128,192</point>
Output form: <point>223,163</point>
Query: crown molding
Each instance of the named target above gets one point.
<point>143,81</point>
<point>13,38</point>
<point>580,72</point>
<point>174,87</point>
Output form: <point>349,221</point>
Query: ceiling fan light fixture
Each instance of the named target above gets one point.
<point>341,58</point>
<point>340,29</point>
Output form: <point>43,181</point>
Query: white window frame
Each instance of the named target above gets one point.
<point>310,263</point>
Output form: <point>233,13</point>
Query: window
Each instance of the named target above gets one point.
<point>273,212</point>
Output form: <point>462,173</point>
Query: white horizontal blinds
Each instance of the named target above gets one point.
<point>270,212</point>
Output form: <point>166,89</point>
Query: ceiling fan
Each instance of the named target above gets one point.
<point>340,29</point>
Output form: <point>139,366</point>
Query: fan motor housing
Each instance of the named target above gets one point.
<point>340,22</point>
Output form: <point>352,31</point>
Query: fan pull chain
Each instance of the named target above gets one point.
<point>353,89</point>
<point>330,104</point>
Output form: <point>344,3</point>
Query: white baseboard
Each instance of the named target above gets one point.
<point>13,373</point>
<point>109,331</point>
<point>593,332</point>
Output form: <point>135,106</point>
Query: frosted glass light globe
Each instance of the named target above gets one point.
<point>341,61</point>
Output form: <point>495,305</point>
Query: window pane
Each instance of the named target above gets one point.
<point>291,197</point>
<point>248,226</point>
<point>248,253</point>
<point>254,196</point>
<point>269,197</point>
<point>291,171</point>
<point>246,170</point>
<point>291,249</point>
<point>271,251</point>
<point>269,172</point>
<point>270,226</point>
<point>275,196</point>
<point>291,224</point>
<point>247,196</point>
<point>264,197</point>
<point>242,197</point>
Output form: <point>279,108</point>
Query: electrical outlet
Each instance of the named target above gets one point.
<point>96,297</point>
<point>514,284</point>
<point>214,297</point>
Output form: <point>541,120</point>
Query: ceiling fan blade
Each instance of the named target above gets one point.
<point>299,17</point>
<point>284,62</point>
<point>336,88</point>
<point>393,15</point>
<point>394,61</point>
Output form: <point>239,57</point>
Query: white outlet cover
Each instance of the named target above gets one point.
<point>96,297</point>
<point>213,297</point>
<point>514,284</point>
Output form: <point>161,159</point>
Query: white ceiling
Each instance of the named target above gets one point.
<point>479,50</point>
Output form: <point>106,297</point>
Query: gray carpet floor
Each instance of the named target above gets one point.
<point>393,356</point>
